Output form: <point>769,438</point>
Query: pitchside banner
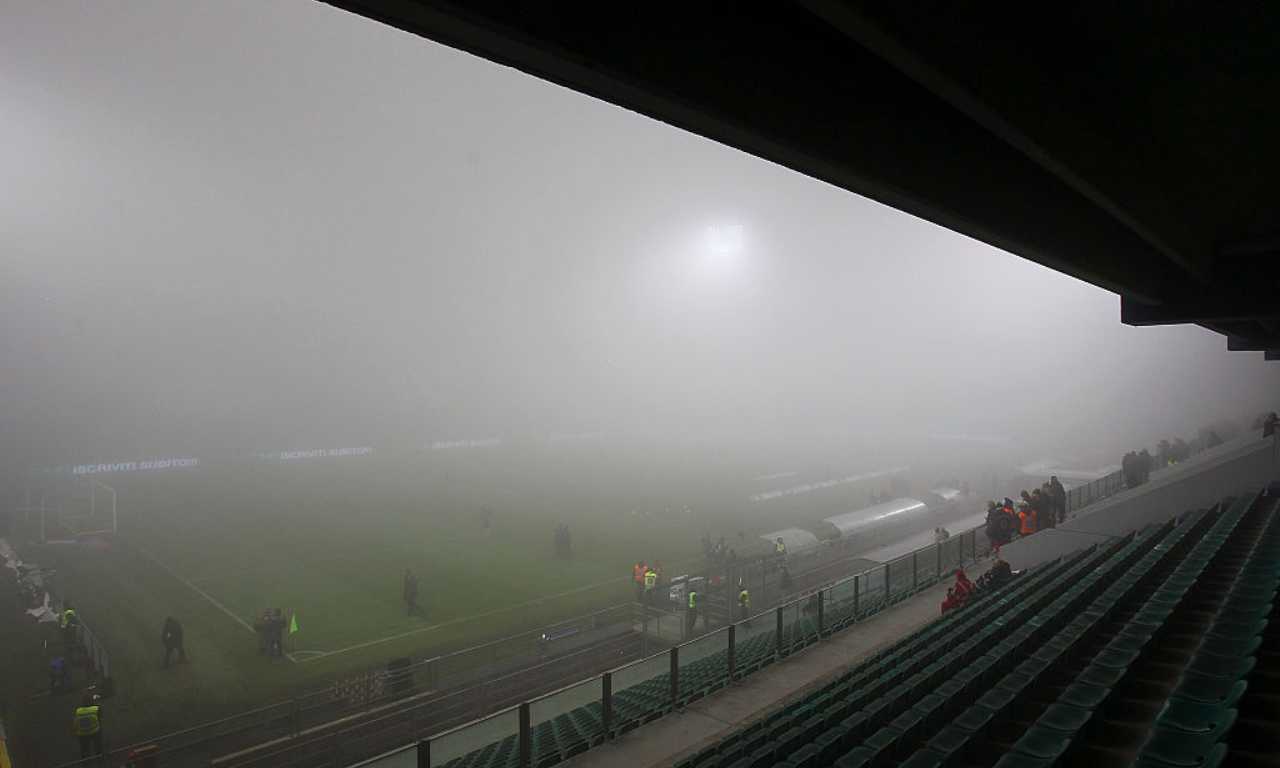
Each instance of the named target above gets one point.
<point>315,453</point>
<point>447,445</point>
<point>133,466</point>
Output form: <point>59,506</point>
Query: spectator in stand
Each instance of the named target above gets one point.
<point>1270,424</point>
<point>950,603</point>
<point>999,574</point>
<point>1026,520</point>
<point>1145,463</point>
<point>1059,499</point>
<point>959,592</point>
<point>999,527</point>
<point>1040,505</point>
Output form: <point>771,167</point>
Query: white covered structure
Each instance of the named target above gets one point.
<point>797,539</point>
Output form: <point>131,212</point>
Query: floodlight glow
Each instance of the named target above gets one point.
<point>725,240</point>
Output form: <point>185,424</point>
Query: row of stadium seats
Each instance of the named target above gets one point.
<point>1140,653</point>
<point>935,665</point>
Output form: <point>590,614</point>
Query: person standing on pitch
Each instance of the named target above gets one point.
<point>171,636</point>
<point>67,623</point>
<point>692,617</point>
<point>87,726</point>
<point>411,593</point>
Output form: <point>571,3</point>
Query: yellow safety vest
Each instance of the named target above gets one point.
<point>744,599</point>
<point>650,579</point>
<point>780,548</point>
<point>693,600</point>
<point>68,616</point>
<point>86,722</point>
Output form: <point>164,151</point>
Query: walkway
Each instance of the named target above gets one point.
<point>673,737</point>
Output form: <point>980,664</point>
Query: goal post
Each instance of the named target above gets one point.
<point>94,484</point>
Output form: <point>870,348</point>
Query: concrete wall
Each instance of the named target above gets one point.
<point>1240,466</point>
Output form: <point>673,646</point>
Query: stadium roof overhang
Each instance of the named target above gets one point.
<point>1129,145</point>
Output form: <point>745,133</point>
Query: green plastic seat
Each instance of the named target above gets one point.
<point>930,709</point>
<point>805,757</point>
<point>1220,645</point>
<point>974,719</point>
<point>1084,695</point>
<point>1103,677</point>
<point>923,758</point>
<point>1180,748</point>
<point>1234,668</point>
<point>883,740</point>
<point>1021,760</point>
<point>858,757</point>
<point>830,744</point>
<point>1209,689</point>
<point>1064,718</point>
<point>1115,658</point>
<point>908,724</point>
<point>1044,743</point>
<point>856,726</point>
<point>998,700</point>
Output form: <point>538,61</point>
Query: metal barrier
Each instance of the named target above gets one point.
<point>95,653</point>
<point>1084,495</point>
<point>576,717</point>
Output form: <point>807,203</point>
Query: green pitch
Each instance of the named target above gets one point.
<point>330,542</point>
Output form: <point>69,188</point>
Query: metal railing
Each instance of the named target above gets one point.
<point>94,652</point>
<point>574,718</point>
<point>1084,495</point>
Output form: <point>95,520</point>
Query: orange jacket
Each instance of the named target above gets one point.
<point>1028,517</point>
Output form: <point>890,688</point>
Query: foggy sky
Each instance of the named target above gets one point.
<point>251,225</point>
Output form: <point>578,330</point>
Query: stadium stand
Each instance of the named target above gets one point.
<point>1147,651</point>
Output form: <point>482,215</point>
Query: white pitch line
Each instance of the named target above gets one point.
<point>195,589</point>
<point>433,627</point>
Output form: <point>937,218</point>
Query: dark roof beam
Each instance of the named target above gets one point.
<point>1253,343</point>
<point>841,15</point>
<point>1207,309</point>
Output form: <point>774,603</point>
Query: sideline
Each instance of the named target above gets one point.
<point>316,655</point>
<point>193,588</point>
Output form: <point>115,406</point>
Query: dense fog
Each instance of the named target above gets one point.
<point>245,226</point>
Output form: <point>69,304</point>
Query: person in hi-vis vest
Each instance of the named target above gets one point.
<point>87,725</point>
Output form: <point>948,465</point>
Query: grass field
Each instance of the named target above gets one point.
<point>331,539</point>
